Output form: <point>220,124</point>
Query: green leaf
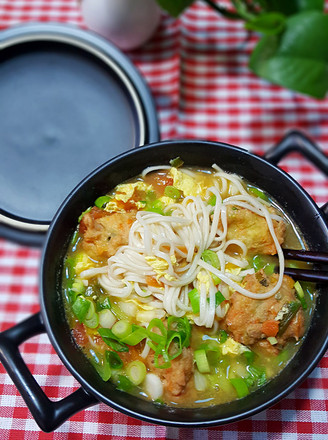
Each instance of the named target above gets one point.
<point>174,7</point>
<point>270,23</point>
<point>243,9</point>
<point>298,58</point>
<point>290,7</point>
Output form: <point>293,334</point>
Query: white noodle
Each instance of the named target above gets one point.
<point>175,243</point>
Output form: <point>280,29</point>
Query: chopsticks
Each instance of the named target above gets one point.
<point>319,276</point>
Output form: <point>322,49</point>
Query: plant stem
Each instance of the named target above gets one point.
<point>223,11</point>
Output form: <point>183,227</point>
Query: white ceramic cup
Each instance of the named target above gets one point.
<point>126,23</point>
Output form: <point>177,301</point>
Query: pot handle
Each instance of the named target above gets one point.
<point>297,141</point>
<point>47,414</point>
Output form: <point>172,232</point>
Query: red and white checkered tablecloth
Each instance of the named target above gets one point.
<point>197,70</point>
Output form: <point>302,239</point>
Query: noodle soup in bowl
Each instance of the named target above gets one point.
<point>163,287</point>
<point>174,288</point>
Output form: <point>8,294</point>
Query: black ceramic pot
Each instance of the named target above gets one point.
<point>263,172</point>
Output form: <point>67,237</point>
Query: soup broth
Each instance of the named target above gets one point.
<point>174,288</point>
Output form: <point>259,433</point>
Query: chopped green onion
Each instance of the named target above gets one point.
<point>124,383</point>
<point>172,192</point>
<point>92,322</point>
<point>211,258</point>
<point>200,381</point>
<point>257,192</point>
<point>102,201</point>
<point>176,162</point>
<point>81,307</point>
<point>114,360</point>
<point>219,298</point>
<point>101,365</point>
<point>249,355</point>
<point>118,312</point>
<point>240,386</point>
<point>69,268</point>
<point>263,262</point>
<point>212,349</point>
<point>75,237</point>
<point>136,372</point>
<point>84,212</point>
<point>258,262</point>
<point>78,286</point>
<point>182,326</point>
<point>168,342</point>
<point>91,310</point>
<point>106,318</point>
<point>121,329</point>
<point>201,361</point>
<point>212,200</point>
<point>156,206</point>
<point>137,335</point>
<point>272,340</point>
<point>257,376</point>
<point>112,341</point>
<point>91,319</point>
<point>300,294</point>
<point>194,300</point>
<point>161,353</point>
<point>216,280</point>
<point>173,338</point>
<point>222,336</point>
<point>291,310</point>
<point>70,295</point>
<point>155,337</point>
<point>282,357</point>
<point>103,303</point>
<point>269,268</point>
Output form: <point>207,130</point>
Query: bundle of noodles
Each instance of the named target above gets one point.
<point>162,261</point>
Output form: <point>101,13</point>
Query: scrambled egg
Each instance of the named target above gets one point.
<point>204,277</point>
<point>232,347</point>
<point>83,262</point>
<point>160,267</point>
<point>125,191</point>
<point>232,268</point>
<point>166,200</point>
<point>186,183</point>
<point>112,206</point>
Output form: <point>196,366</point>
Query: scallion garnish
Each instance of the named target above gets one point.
<point>176,162</point>
<point>300,294</point>
<point>102,201</point>
<point>194,300</point>
<point>219,298</point>
<point>121,329</point>
<point>136,372</point>
<point>112,341</point>
<point>291,310</point>
<point>212,200</point>
<point>201,361</point>
<point>172,192</point>
<point>257,192</point>
<point>240,386</point>
<point>211,258</point>
<point>81,307</point>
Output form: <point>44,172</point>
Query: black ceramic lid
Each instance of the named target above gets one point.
<point>70,101</point>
